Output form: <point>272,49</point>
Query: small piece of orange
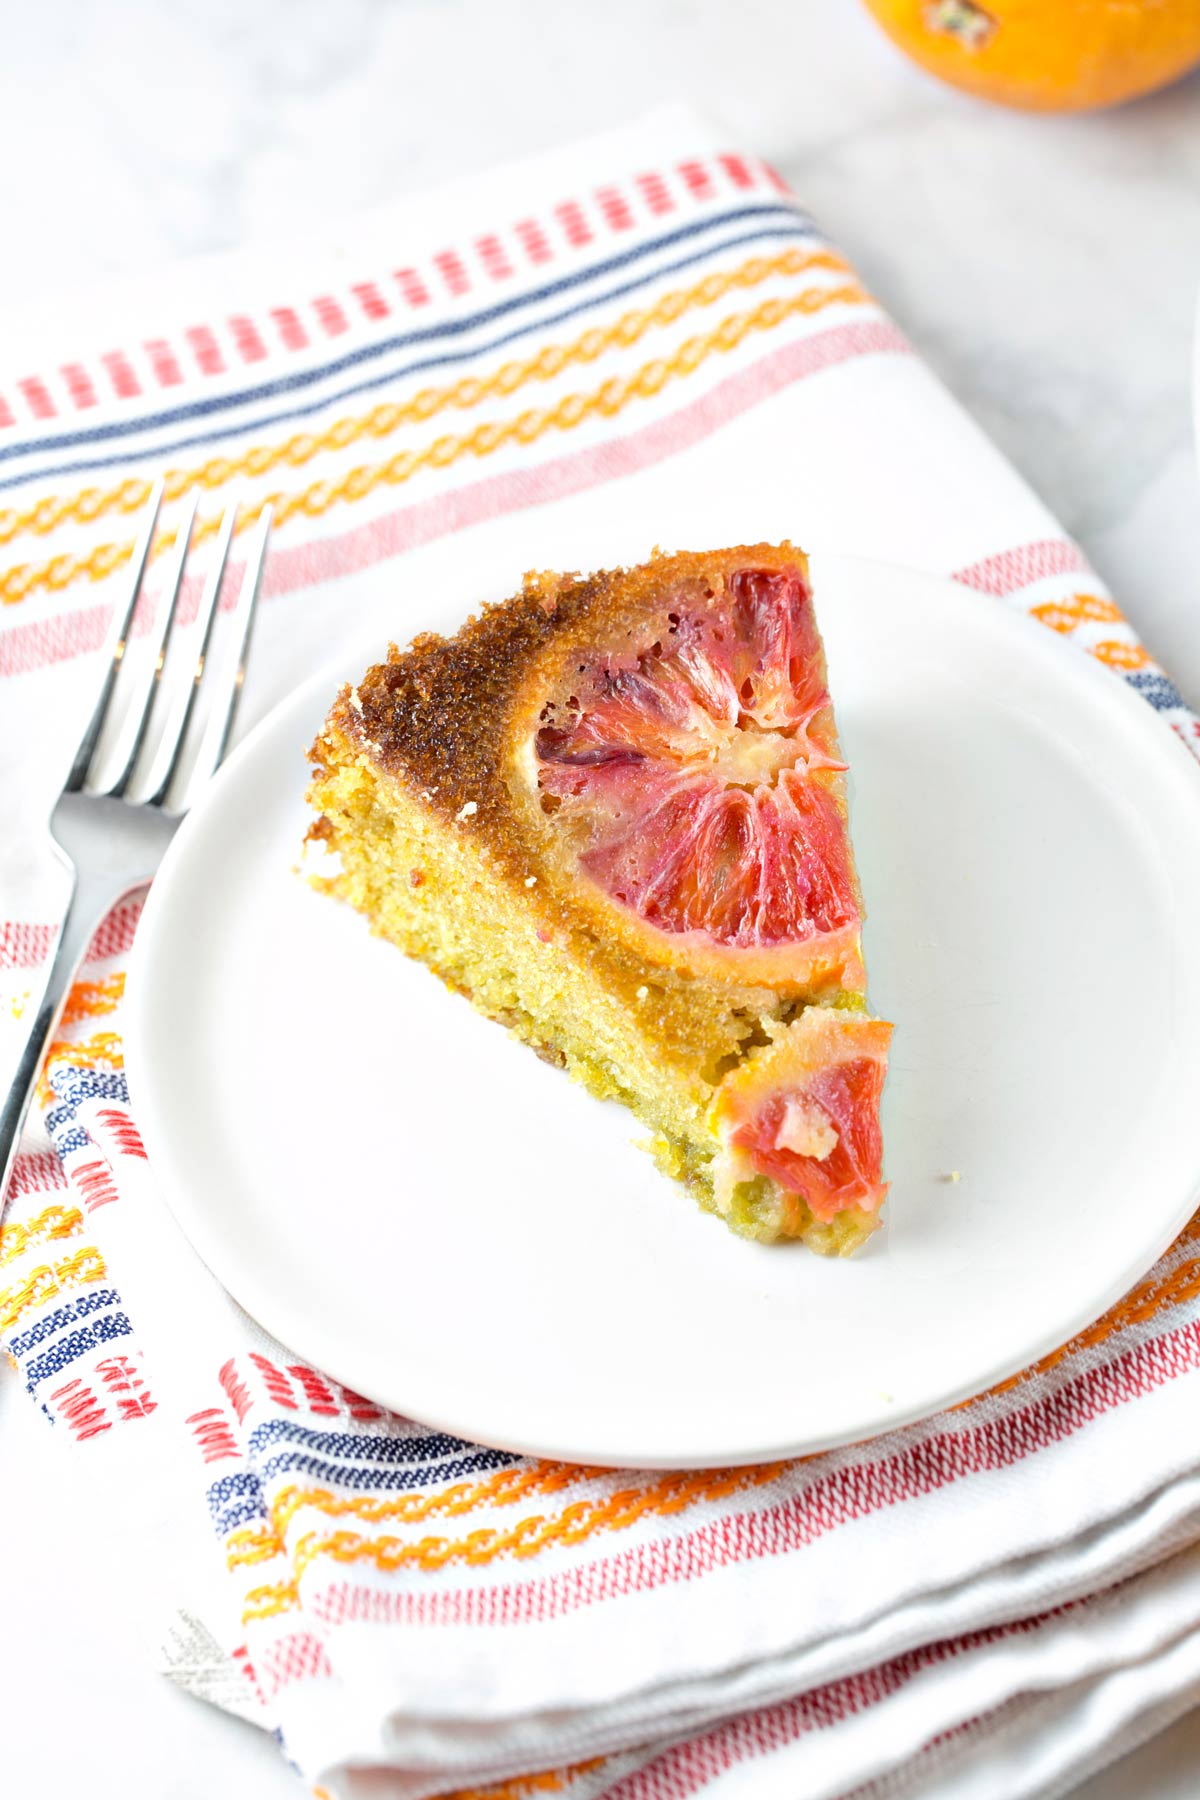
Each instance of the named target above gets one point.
<point>1048,55</point>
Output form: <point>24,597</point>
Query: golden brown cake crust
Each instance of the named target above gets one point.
<point>436,714</point>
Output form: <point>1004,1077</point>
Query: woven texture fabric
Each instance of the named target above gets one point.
<point>1002,1594</point>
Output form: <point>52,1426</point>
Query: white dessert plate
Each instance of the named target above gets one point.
<point>414,1203</point>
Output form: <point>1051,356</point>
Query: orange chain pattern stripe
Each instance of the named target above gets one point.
<point>504,1488</point>
<point>131,495</point>
<point>1144,1302</point>
<point>606,401</point>
<point>88,999</point>
<point>103,1051</point>
<point>673,1492</point>
<point>550,1781</point>
<point>53,1223</point>
<point>1115,653</point>
<point>45,1283</point>
<point>1065,615</point>
<point>573,1526</point>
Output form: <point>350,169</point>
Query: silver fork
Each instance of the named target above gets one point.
<point>108,843</point>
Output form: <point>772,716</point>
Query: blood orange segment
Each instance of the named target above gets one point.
<point>696,770</point>
<point>805,1113</point>
<point>822,1141</point>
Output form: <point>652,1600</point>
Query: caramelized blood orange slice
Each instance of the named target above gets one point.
<point>694,770</point>
<point>804,1112</point>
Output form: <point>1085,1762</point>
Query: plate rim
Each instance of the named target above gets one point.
<point>207,1243</point>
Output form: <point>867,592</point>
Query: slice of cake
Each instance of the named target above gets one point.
<point>612,813</point>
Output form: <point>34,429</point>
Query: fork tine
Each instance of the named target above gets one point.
<point>142,704</point>
<point>220,725</point>
<point>114,645</point>
<point>175,730</point>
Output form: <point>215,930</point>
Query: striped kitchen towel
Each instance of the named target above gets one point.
<point>993,1601</point>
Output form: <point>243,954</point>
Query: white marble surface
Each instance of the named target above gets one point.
<point>1048,268</point>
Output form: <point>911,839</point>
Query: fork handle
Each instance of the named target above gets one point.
<point>16,1104</point>
<point>79,923</point>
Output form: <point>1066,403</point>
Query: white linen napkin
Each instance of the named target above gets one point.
<point>1008,1587</point>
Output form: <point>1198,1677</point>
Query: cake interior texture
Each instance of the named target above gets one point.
<point>596,813</point>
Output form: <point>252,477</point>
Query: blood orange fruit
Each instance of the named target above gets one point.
<point>804,1112</point>
<point>697,776</point>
